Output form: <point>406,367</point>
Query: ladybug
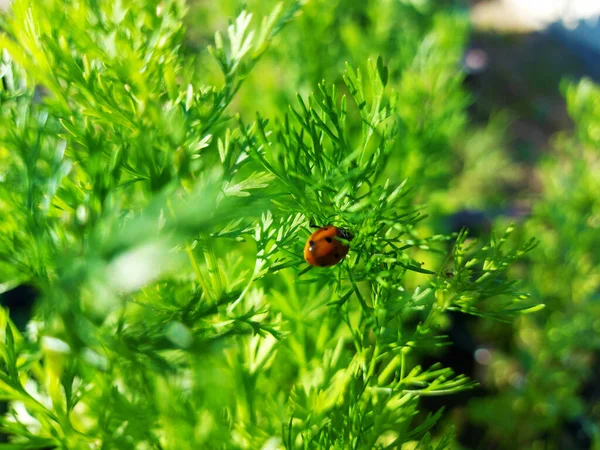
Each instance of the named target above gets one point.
<point>324,247</point>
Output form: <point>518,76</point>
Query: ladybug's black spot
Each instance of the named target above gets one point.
<point>337,255</point>
<point>326,228</point>
<point>328,239</point>
<point>311,243</point>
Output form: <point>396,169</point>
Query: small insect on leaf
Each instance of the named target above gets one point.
<point>326,246</point>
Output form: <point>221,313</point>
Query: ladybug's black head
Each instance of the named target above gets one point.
<point>345,234</point>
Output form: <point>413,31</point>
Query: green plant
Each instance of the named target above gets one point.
<point>175,310</point>
<point>457,163</point>
<point>542,383</point>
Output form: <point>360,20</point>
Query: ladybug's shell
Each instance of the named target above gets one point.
<point>323,247</point>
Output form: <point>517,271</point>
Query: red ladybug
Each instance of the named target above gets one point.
<point>324,247</point>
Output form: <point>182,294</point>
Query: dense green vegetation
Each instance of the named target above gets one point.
<point>160,168</point>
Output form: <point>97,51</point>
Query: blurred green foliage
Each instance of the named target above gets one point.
<point>422,43</point>
<point>549,378</point>
<point>157,186</point>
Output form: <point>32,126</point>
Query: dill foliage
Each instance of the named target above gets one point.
<point>162,234</point>
<point>559,345</point>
